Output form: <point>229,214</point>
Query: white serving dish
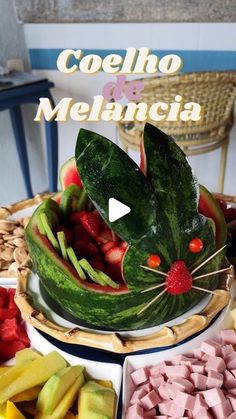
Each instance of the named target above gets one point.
<point>133,362</point>
<point>94,369</point>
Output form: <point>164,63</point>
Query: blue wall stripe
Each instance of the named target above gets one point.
<point>45,59</point>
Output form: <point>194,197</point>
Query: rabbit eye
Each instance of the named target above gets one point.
<point>195,245</point>
<point>154,261</point>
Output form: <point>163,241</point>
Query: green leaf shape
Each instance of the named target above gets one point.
<point>107,171</point>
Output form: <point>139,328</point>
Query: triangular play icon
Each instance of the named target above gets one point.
<point>116,209</point>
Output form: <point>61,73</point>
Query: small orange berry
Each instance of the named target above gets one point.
<point>195,245</point>
<point>154,261</point>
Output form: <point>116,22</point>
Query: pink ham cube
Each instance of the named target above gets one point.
<point>231,361</point>
<point>199,404</point>
<point>176,411</point>
<point>164,407</point>
<point>134,412</point>
<point>199,367</point>
<point>146,386</point>
<point>137,395</point>
<point>183,384</point>
<point>199,380</point>
<point>214,379</point>
<point>198,353</point>
<point>140,376</point>
<point>226,350</point>
<point>215,363</point>
<point>228,336</point>
<point>222,410</point>
<point>186,401</point>
<point>156,381</point>
<point>177,371</point>
<point>203,414</point>
<point>210,347</point>
<point>150,400</point>
<point>229,380</point>
<point>232,400</point>
<point>158,369</point>
<point>213,396</point>
<point>150,414</point>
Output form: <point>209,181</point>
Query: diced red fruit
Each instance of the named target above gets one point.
<point>97,264</point>
<point>154,261</point>
<point>114,255</point>
<point>195,245</point>
<point>84,250</point>
<point>114,271</point>
<point>9,330</point>
<point>179,280</point>
<point>67,231</point>
<point>11,301</point>
<point>107,246</point>
<point>105,236</point>
<point>75,217</point>
<point>22,336</point>
<point>230,214</point>
<point>79,233</point>
<point>3,297</point>
<point>91,223</point>
<point>8,313</point>
<point>9,349</point>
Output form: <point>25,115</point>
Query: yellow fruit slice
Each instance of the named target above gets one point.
<point>12,412</point>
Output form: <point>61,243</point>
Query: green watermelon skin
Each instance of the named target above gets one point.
<point>113,310</point>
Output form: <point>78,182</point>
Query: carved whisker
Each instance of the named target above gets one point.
<point>151,302</point>
<point>211,273</point>
<point>208,259</point>
<point>153,270</point>
<point>154,287</point>
<point>204,290</point>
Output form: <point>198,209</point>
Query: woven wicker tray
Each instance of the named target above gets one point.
<point>113,342</point>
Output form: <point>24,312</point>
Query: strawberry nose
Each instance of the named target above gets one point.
<point>179,280</point>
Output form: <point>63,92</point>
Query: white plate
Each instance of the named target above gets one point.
<point>95,370</point>
<point>134,362</point>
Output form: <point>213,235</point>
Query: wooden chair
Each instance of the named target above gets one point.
<point>214,91</point>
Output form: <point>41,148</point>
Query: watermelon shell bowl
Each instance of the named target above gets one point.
<point>144,269</point>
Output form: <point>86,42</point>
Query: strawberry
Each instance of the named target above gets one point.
<point>114,255</point>
<point>91,223</point>
<point>79,233</point>
<point>105,236</point>
<point>85,250</point>
<point>179,280</point>
<point>3,297</point>
<point>124,245</point>
<point>67,233</point>
<point>9,330</point>
<point>107,246</point>
<point>75,217</point>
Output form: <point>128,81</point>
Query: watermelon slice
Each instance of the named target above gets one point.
<point>69,174</point>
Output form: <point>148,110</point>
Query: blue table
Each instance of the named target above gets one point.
<point>20,88</point>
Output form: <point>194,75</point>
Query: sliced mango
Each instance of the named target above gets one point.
<point>4,369</point>
<point>27,395</point>
<point>26,355</point>
<point>66,402</point>
<point>35,373</point>
<point>12,412</point>
<point>105,383</point>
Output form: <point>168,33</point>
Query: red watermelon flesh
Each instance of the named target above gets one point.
<point>69,174</point>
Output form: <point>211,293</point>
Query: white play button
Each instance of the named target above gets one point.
<point>116,209</point>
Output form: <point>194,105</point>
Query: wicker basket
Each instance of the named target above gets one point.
<point>215,92</point>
